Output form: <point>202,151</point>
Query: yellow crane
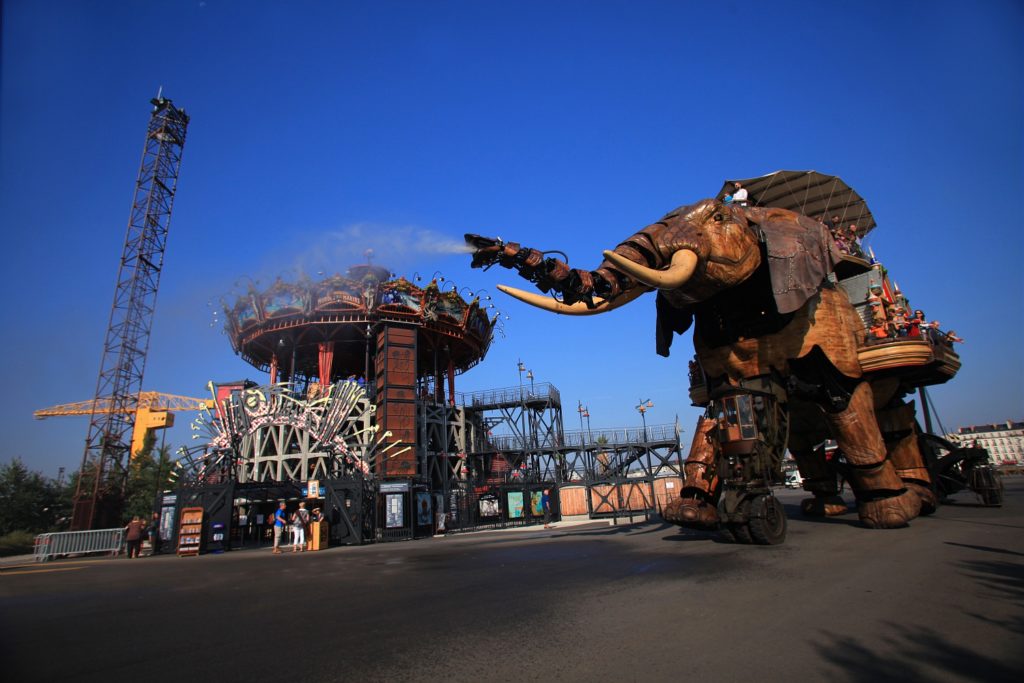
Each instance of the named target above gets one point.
<point>154,411</point>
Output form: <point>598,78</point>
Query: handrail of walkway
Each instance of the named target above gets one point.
<point>596,439</point>
<point>509,395</point>
<point>55,544</point>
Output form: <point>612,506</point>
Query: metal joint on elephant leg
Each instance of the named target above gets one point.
<point>815,378</point>
<point>875,481</point>
<point>823,486</point>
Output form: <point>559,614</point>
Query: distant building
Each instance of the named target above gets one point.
<point>1003,441</point>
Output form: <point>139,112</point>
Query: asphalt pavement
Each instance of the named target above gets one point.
<point>942,600</point>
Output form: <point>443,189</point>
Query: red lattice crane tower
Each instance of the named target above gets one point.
<point>99,495</point>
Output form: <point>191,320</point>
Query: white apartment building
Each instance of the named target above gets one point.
<point>1003,441</point>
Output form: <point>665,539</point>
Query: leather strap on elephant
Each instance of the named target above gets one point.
<point>875,482</point>
<point>801,254</point>
<point>817,380</point>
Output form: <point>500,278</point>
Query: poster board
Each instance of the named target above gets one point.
<point>515,504</point>
<point>190,531</point>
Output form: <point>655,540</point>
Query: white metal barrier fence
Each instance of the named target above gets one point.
<point>49,546</point>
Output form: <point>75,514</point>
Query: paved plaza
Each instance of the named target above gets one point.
<point>942,600</point>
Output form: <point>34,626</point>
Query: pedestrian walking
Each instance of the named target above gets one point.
<point>280,521</point>
<point>154,534</point>
<point>133,537</point>
<point>300,520</point>
<point>545,503</point>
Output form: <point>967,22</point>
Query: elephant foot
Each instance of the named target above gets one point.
<point>692,513</point>
<point>889,513</point>
<point>929,501</point>
<point>823,506</point>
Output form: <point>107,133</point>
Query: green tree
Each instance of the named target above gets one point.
<point>29,501</point>
<point>149,475</point>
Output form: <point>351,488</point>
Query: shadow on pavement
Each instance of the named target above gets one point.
<point>1001,551</point>
<point>912,654</point>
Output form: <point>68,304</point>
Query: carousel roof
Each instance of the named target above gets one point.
<point>295,317</point>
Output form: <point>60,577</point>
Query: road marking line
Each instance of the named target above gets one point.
<point>40,564</point>
<point>42,571</point>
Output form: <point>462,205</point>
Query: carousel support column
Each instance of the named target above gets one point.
<point>291,372</point>
<point>438,382</point>
<point>326,361</point>
<point>366,371</point>
<point>451,382</point>
<point>273,369</point>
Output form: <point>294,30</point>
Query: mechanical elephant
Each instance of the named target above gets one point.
<point>776,346</point>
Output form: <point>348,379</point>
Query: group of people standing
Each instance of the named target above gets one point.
<point>297,523</point>
<point>892,319</point>
<point>847,238</point>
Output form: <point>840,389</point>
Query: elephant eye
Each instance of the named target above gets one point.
<point>718,217</point>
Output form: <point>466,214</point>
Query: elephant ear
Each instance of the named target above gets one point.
<point>801,254</point>
<point>671,321</point>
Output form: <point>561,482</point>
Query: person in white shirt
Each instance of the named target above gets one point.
<point>740,195</point>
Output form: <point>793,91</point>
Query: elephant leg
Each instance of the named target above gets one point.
<point>806,431</point>
<point>882,500</point>
<point>899,430</point>
<point>820,481</point>
<point>695,507</point>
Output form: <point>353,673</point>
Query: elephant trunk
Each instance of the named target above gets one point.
<point>633,268</point>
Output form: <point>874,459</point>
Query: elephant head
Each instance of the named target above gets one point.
<point>690,256</point>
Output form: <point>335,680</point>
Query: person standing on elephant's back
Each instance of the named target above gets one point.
<point>740,195</point>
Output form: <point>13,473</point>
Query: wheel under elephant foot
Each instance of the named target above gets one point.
<point>929,501</point>
<point>823,506</point>
<point>889,513</point>
<point>692,513</point>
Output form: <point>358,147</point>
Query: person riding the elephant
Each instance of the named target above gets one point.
<point>739,197</point>
<point>900,322</point>
<point>880,325</point>
<point>914,324</point>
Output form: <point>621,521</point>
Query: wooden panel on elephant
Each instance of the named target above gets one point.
<point>572,500</point>
<point>666,489</point>
<point>826,320</point>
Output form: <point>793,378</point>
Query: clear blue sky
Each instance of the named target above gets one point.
<point>321,128</point>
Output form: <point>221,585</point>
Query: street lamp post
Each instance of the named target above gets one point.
<point>584,412</point>
<point>580,409</point>
<point>642,408</point>
<point>522,399</point>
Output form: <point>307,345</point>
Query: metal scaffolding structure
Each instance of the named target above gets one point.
<point>103,474</point>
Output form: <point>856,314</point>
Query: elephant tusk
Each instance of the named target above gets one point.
<point>684,262</point>
<point>579,308</point>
